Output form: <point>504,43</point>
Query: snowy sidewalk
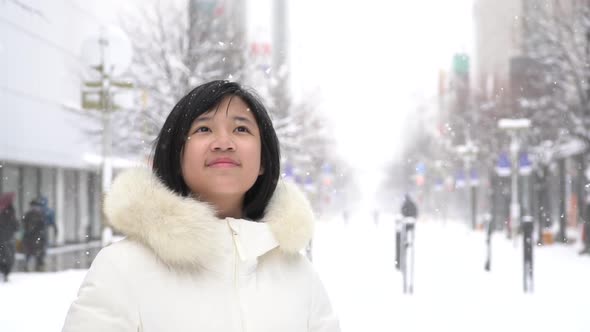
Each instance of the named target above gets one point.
<point>356,262</point>
<point>33,302</point>
<point>452,292</point>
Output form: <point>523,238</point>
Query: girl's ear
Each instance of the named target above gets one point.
<point>261,170</point>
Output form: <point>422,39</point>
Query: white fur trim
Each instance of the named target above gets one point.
<point>183,232</point>
<point>290,217</point>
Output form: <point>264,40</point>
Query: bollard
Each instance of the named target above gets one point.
<point>407,254</point>
<point>527,229</point>
<point>398,230</point>
<point>489,232</point>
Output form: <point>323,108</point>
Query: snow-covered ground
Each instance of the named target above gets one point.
<point>37,301</point>
<point>452,292</point>
<point>356,261</point>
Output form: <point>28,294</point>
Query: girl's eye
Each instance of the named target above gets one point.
<point>243,129</point>
<point>202,130</point>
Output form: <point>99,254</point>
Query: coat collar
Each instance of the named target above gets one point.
<point>185,233</point>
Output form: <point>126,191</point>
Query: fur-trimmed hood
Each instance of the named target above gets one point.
<point>185,233</point>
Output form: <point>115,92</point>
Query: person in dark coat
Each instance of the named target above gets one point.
<point>409,208</point>
<point>34,237</point>
<point>8,226</point>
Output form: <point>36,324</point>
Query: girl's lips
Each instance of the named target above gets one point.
<point>223,164</point>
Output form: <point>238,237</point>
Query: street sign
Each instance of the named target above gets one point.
<point>461,63</point>
<point>524,164</point>
<point>503,168</point>
<point>92,100</point>
<point>474,178</point>
<point>92,94</point>
<point>438,184</point>
<point>460,179</point>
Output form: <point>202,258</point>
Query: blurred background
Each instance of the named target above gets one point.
<point>475,111</point>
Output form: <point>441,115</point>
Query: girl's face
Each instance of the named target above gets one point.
<point>221,156</point>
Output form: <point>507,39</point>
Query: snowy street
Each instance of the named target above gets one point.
<point>356,261</point>
<point>452,292</point>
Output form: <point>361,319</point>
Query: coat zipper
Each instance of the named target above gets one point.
<point>237,256</point>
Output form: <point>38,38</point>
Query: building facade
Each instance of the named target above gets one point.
<point>504,32</point>
<point>46,145</point>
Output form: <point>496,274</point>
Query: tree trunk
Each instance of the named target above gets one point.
<point>561,236</point>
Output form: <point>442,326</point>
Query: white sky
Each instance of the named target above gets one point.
<point>370,60</point>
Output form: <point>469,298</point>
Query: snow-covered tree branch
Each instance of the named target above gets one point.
<point>557,39</point>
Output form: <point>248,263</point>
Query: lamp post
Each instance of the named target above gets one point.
<point>514,126</point>
<point>109,55</point>
<point>469,152</point>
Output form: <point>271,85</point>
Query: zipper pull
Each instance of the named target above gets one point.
<point>237,242</point>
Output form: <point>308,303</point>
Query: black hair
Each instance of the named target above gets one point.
<point>170,142</point>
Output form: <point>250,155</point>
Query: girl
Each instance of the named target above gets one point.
<point>213,236</point>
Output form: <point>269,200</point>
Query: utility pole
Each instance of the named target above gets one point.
<point>585,168</point>
<point>514,126</point>
<point>107,167</point>
<point>469,152</point>
<point>514,196</point>
<point>97,95</point>
<point>280,52</point>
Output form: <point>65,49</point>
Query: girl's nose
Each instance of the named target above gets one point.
<point>223,142</point>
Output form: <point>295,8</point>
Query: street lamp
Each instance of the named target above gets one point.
<point>108,54</point>
<point>514,126</point>
<point>469,152</point>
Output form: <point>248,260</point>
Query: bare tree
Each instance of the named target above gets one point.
<point>27,8</point>
<point>176,49</point>
<point>557,36</point>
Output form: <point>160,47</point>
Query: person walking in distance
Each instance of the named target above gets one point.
<point>586,226</point>
<point>49,215</point>
<point>8,226</point>
<point>409,208</point>
<point>34,236</point>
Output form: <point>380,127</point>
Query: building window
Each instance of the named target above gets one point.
<point>47,185</point>
<point>94,204</point>
<point>30,185</point>
<point>70,211</point>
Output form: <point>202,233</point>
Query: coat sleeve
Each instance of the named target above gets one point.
<point>322,317</point>
<point>105,301</point>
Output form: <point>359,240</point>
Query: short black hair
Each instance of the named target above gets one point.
<point>172,137</point>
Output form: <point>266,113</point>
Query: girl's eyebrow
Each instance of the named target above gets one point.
<point>236,118</point>
<point>202,119</point>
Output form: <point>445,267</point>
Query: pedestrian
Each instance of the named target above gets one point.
<point>213,236</point>
<point>8,226</point>
<point>586,226</point>
<point>409,209</point>
<point>34,236</point>
<point>49,216</point>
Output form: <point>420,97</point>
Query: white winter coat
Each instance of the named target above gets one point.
<point>182,269</point>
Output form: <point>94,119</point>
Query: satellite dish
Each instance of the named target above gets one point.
<point>111,45</point>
